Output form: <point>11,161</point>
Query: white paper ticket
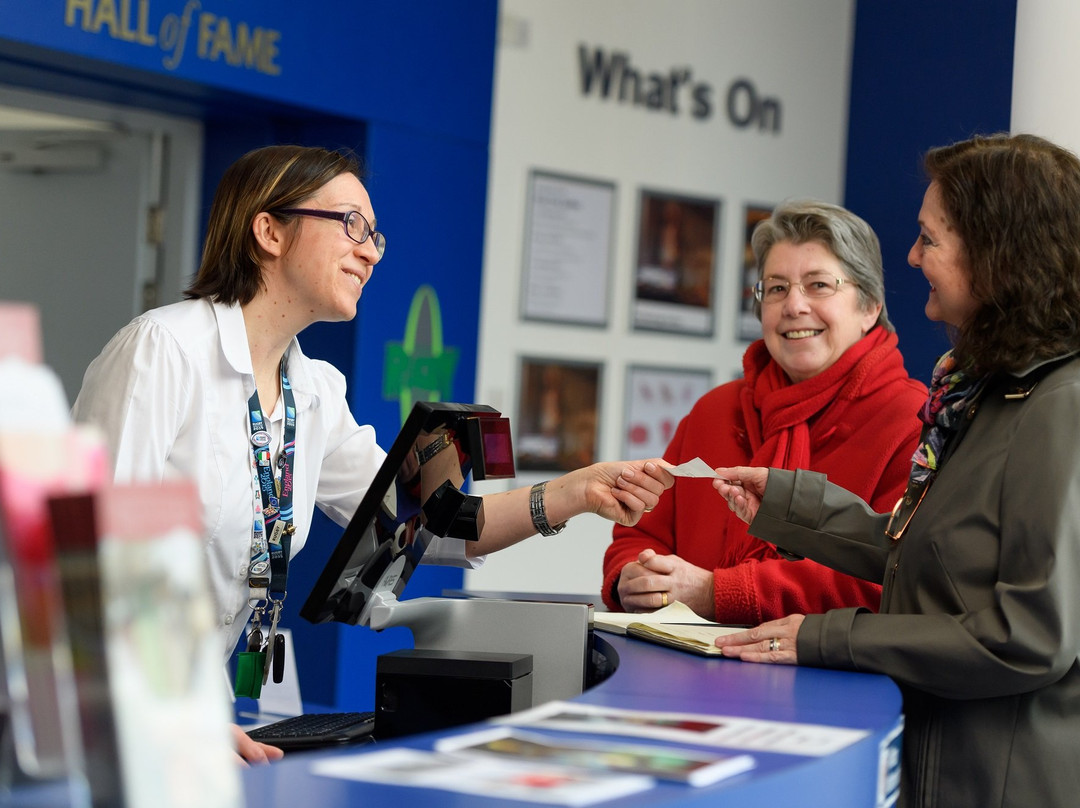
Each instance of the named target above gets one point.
<point>693,468</point>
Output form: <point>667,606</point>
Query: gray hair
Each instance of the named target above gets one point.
<point>844,234</point>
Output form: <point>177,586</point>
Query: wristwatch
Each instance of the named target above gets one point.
<point>433,448</point>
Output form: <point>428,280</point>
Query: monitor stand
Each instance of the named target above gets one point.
<point>556,634</point>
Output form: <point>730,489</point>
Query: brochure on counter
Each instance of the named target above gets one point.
<point>699,729</point>
<point>487,775</point>
<point>693,767</point>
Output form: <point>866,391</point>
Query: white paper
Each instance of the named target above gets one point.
<point>677,612</point>
<point>694,468</point>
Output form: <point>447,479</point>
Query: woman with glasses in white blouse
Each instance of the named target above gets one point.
<point>216,388</point>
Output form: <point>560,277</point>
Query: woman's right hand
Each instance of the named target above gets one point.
<point>742,487</point>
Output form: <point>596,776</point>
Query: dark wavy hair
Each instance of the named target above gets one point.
<point>1015,203</point>
<point>262,180</point>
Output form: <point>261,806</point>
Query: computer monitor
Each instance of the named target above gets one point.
<point>394,523</point>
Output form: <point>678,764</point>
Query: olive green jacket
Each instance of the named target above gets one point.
<point>980,612</point>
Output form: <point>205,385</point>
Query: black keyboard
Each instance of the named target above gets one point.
<point>316,730</point>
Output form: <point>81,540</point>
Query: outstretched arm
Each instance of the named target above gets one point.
<point>619,491</point>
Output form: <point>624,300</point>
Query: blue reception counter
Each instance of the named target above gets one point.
<point>651,677</point>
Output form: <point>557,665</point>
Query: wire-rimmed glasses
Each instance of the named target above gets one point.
<point>815,285</point>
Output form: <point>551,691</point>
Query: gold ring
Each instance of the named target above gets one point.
<point>648,510</point>
<point>774,644</point>
<point>663,599</point>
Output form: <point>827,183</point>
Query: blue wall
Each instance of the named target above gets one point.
<point>924,73</point>
<point>407,86</point>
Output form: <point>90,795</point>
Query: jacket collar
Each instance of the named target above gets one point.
<point>1042,363</point>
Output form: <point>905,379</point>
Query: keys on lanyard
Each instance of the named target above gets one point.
<point>250,663</point>
<point>274,651</point>
<point>265,654</point>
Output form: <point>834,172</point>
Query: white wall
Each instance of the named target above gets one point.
<point>1046,63</point>
<point>798,53</point>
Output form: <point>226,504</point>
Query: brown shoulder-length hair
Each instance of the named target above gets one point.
<point>1015,203</point>
<point>262,180</point>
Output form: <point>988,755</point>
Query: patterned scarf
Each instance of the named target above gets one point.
<point>952,390</point>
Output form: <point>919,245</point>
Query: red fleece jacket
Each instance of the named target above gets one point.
<point>856,422</point>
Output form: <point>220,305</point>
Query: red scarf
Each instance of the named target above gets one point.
<point>783,420</point>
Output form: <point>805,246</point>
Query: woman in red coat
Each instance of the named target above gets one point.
<point>825,390</point>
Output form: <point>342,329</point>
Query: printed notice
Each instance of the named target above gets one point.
<point>567,250</point>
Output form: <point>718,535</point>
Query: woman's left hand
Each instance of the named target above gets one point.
<point>623,491</point>
<point>774,642</point>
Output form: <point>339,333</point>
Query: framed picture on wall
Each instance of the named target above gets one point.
<point>676,259</point>
<point>556,427</point>
<point>749,325</point>
<point>656,400</point>
<point>567,262</point>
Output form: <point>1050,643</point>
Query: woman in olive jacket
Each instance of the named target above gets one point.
<point>980,560</point>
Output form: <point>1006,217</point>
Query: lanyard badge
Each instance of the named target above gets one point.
<point>271,539</point>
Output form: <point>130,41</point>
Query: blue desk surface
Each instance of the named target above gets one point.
<point>651,677</point>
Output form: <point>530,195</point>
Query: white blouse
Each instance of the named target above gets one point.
<point>170,391</point>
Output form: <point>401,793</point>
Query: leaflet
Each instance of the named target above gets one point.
<point>700,729</point>
<point>666,762</point>
<point>490,776</point>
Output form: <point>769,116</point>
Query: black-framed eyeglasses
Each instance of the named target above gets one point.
<point>815,285</point>
<point>356,226</point>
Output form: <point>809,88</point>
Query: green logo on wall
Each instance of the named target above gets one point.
<point>420,368</point>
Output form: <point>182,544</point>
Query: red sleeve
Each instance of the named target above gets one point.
<point>755,591</point>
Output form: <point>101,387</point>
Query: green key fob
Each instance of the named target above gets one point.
<point>249,673</point>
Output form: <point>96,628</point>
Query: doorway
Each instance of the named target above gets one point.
<point>99,209</point>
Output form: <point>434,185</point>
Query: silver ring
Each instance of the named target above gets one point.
<point>774,644</point>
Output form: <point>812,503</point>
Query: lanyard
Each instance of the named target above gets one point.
<point>272,527</point>
<point>273,523</point>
